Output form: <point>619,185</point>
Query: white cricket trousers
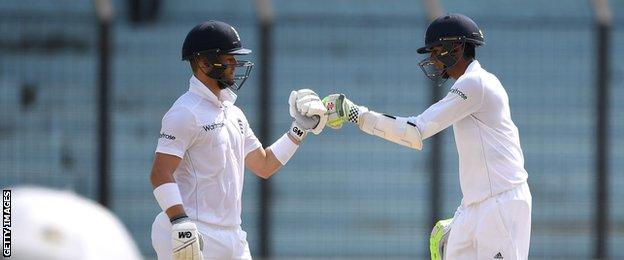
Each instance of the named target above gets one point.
<point>219,242</point>
<point>496,228</point>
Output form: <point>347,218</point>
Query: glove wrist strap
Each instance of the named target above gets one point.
<point>178,219</point>
<point>297,131</point>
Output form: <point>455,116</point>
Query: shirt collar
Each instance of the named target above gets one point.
<point>474,65</point>
<point>197,87</point>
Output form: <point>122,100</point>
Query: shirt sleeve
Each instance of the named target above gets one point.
<point>251,141</point>
<point>463,99</point>
<point>178,132</point>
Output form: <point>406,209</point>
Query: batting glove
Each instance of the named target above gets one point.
<point>305,104</point>
<point>340,110</point>
<point>438,238</point>
<point>186,240</point>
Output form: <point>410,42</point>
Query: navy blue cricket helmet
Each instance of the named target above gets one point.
<point>211,39</point>
<point>450,31</point>
<point>451,27</point>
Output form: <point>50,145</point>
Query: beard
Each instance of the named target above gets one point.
<point>229,82</point>
<point>225,83</point>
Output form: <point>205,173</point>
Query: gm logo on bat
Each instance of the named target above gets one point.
<point>185,234</point>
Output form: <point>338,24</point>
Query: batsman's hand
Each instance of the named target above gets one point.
<point>306,103</point>
<point>340,110</point>
<point>186,241</point>
<point>301,125</point>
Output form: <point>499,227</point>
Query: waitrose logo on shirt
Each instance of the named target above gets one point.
<point>459,93</point>
<point>212,126</point>
<point>167,136</point>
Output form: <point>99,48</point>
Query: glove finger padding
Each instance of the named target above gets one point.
<point>316,109</point>
<point>292,103</point>
<point>304,102</point>
<point>296,96</point>
<point>313,107</point>
<point>186,241</point>
<point>308,104</point>
<point>299,97</point>
<point>305,91</point>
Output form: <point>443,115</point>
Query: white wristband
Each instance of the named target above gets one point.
<point>168,195</point>
<point>284,148</point>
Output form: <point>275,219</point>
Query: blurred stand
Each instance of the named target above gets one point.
<point>81,102</point>
<point>143,11</point>
<point>603,78</point>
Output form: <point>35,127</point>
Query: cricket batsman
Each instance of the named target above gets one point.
<point>493,220</point>
<point>205,145</point>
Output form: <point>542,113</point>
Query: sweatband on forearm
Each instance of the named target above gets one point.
<point>284,148</point>
<point>168,195</point>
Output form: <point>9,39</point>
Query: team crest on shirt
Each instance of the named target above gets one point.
<point>241,126</point>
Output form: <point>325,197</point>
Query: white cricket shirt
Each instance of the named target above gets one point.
<point>212,136</point>
<point>490,157</point>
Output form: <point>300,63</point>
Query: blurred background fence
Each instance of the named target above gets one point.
<point>344,194</point>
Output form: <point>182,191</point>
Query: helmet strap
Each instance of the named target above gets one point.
<point>447,57</point>
<point>449,51</point>
<point>215,72</point>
